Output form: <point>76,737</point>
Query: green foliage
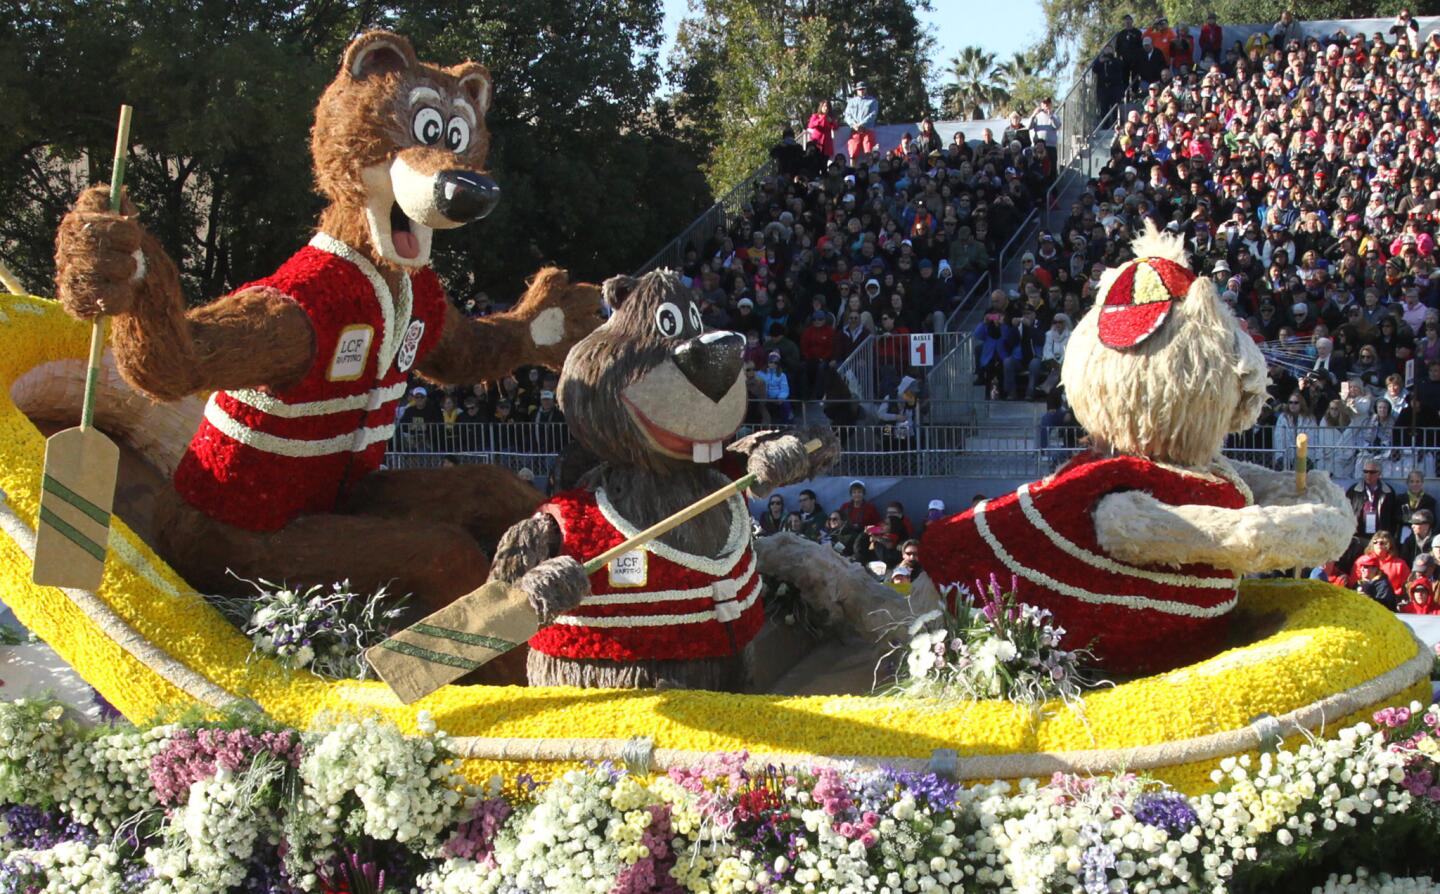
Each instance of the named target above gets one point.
<point>224,95</point>
<point>1023,82</point>
<point>973,89</point>
<point>745,69</point>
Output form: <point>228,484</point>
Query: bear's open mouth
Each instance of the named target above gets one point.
<point>401,236</point>
<point>672,444</point>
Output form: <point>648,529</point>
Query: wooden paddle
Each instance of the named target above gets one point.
<point>78,490</point>
<point>494,619</point>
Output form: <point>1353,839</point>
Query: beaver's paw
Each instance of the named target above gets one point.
<point>555,586</point>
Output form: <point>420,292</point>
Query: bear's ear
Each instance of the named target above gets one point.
<point>475,82</point>
<point>376,53</point>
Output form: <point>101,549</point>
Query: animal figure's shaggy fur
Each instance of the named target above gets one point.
<point>422,532</point>
<point>624,400</point>
<point>1173,399</point>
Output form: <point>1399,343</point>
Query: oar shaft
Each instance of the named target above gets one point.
<point>97,327</point>
<point>679,518</point>
<point>8,280</point>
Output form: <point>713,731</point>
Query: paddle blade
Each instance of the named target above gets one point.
<point>78,494</point>
<point>463,636</point>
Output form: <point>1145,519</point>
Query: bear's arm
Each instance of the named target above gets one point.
<point>107,264</point>
<point>257,337</point>
<point>1310,530</point>
<point>550,318</point>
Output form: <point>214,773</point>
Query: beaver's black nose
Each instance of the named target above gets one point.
<point>712,362</point>
<point>463,196</point>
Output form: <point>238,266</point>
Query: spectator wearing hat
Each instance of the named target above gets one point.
<point>1129,46</point>
<point>1371,580</point>
<point>859,511</point>
<point>1382,550</point>
<point>548,412</point>
<point>934,511</point>
<point>1420,597</point>
<point>862,113</point>
<point>777,388</point>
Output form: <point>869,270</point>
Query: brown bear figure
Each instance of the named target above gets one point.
<point>652,396</point>
<point>308,365</point>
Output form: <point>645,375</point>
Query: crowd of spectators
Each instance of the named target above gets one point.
<point>831,248</point>
<point>887,544</point>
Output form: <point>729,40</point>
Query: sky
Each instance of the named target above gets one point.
<point>954,23</point>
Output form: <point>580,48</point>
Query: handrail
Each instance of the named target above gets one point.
<point>673,252</point>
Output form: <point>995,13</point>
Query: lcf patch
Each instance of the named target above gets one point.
<point>352,349</point>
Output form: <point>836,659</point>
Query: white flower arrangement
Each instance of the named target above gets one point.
<point>362,786</point>
<point>324,629</point>
<point>989,646</point>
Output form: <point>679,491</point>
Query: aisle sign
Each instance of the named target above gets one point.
<point>922,349</point>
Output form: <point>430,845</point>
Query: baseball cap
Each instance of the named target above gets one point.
<point>745,302</point>
<point>547,395</point>
<point>418,391</point>
<point>1424,516</point>
<point>937,504</point>
<point>857,483</point>
<point>775,356</point>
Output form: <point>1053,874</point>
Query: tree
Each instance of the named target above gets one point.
<point>748,68</point>
<point>1023,82</point>
<point>225,91</point>
<point>973,90</point>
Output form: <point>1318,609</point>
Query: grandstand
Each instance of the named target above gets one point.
<point>1310,101</point>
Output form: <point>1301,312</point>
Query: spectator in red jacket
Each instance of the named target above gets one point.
<point>817,345</point>
<point>1420,598</point>
<point>1212,39</point>
<point>859,511</point>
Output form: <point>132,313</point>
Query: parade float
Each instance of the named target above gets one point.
<point>1242,726</point>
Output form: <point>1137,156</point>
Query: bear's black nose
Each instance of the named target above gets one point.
<point>464,196</point>
<point>712,362</point>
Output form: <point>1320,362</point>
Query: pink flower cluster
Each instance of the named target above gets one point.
<point>475,839</point>
<point>723,770</point>
<point>651,875</point>
<point>1393,717</point>
<point>830,791</point>
<point>195,754</point>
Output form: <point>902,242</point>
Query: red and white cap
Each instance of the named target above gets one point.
<point>1138,300</point>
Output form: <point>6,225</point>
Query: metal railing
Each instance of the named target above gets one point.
<point>711,221</point>
<point>1080,164</point>
<point>927,448</point>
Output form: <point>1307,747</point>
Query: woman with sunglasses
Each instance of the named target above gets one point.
<point>772,520</point>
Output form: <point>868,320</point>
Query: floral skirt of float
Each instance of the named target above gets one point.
<point>149,644</point>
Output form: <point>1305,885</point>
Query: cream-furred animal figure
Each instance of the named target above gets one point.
<point>1137,544</point>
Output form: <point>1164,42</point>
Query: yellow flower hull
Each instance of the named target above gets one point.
<point>174,650</point>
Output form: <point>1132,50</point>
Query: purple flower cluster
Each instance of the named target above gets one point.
<point>192,755</point>
<point>475,838</point>
<point>31,827</point>
<point>1422,784</point>
<point>935,791</point>
<point>1168,810</point>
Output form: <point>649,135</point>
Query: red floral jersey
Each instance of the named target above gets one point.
<point>657,602</point>
<point>261,456</point>
<point>1135,618</point>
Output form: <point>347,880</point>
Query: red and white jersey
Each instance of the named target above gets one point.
<point>262,457</point>
<point>1135,618</point>
<point>656,602</point>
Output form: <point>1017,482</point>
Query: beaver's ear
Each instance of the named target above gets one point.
<point>378,52</point>
<point>617,289</point>
<point>475,81</point>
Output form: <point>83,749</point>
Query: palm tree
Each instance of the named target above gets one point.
<point>1023,81</point>
<point>974,88</point>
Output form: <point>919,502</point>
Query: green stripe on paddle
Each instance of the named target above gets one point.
<point>424,654</point>
<point>51,486</point>
<point>71,534</point>
<point>493,643</point>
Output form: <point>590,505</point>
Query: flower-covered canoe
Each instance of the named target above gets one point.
<point>149,643</point>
